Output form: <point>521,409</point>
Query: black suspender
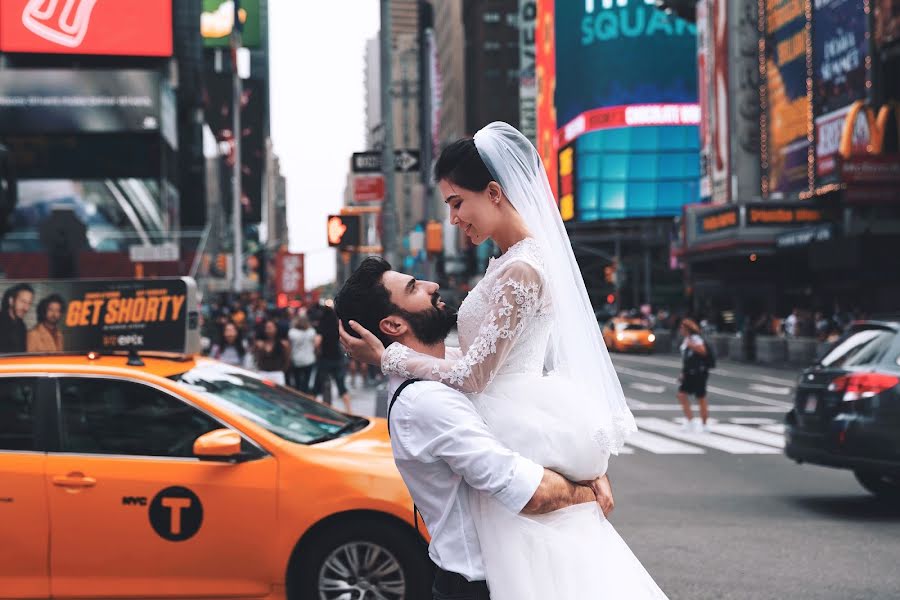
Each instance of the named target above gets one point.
<point>390,406</point>
<point>394,399</point>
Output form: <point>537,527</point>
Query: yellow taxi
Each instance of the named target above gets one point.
<point>628,335</point>
<point>143,474</point>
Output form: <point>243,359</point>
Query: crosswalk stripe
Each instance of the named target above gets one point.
<point>660,445</point>
<point>751,434</point>
<point>752,420</point>
<point>709,440</point>
<point>776,428</point>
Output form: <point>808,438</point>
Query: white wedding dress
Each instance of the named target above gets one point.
<point>504,330</point>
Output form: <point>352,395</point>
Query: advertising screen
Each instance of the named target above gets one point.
<point>218,115</point>
<point>99,316</point>
<point>787,36</point>
<point>623,53</point>
<point>109,27</point>
<point>70,101</point>
<point>840,55</point>
<point>217,21</point>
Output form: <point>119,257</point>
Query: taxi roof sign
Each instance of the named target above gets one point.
<point>107,315</point>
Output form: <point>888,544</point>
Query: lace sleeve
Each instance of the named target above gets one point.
<point>513,302</point>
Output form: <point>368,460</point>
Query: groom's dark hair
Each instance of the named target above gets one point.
<point>364,299</point>
<point>460,164</point>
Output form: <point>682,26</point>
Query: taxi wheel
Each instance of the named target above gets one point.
<point>360,561</point>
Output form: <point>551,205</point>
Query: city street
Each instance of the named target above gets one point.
<point>724,515</point>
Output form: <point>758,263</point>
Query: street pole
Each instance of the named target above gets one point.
<point>237,92</point>
<point>389,217</point>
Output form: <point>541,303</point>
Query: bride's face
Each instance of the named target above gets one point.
<point>477,214</point>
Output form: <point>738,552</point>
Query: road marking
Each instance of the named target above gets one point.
<point>711,388</point>
<point>770,389</point>
<point>709,440</point>
<point>777,428</point>
<point>752,421</point>
<point>676,364</point>
<point>751,434</point>
<point>660,445</point>
<point>645,387</point>
<point>714,408</point>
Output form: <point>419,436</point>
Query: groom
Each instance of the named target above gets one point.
<point>441,445</point>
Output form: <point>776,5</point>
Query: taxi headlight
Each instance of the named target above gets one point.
<point>651,338</point>
<point>620,336</point>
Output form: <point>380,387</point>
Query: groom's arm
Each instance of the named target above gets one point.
<point>556,492</point>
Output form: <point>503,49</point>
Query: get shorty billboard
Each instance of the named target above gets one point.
<point>109,27</point>
<point>76,316</point>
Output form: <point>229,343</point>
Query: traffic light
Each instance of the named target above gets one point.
<point>609,273</point>
<point>610,298</point>
<point>344,231</point>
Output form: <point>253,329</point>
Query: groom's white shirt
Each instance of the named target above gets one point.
<point>442,447</point>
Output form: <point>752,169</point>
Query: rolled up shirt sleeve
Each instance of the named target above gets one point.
<point>438,423</point>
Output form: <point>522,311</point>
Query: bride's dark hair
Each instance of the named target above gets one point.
<point>460,164</point>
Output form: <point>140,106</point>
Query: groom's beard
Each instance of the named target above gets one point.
<point>430,326</point>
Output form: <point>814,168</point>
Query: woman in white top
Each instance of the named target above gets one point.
<point>533,362</point>
<point>303,352</point>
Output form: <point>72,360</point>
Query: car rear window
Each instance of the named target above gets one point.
<point>630,327</point>
<point>863,346</point>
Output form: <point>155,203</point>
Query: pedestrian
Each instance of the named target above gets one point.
<point>272,353</point>
<point>231,349</point>
<point>302,338</point>
<point>331,359</point>
<point>695,355</point>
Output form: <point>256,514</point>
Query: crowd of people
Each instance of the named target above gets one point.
<point>296,347</point>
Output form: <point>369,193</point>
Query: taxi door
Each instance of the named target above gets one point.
<point>135,515</point>
<point>24,519</point>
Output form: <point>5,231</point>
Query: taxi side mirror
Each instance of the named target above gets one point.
<point>218,444</point>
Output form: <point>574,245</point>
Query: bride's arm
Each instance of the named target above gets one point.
<point>513,302</point>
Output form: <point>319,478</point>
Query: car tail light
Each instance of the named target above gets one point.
<point>862,385</point>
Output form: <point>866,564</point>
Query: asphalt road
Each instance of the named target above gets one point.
<point>724,515</point>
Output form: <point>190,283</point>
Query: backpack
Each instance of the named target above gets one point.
<point>710,358</point>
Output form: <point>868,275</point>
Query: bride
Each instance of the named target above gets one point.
<point>533,362</point>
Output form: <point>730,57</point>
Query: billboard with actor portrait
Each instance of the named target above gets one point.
<point>104,316</point>
<point>787,144</point>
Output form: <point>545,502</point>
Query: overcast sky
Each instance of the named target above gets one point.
<point>317,66</point>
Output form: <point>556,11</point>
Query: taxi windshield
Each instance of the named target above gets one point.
<point>278,409</point>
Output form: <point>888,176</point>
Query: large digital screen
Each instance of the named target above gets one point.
<point>109,27</point>
<point>78,101</point>
<point>217,22</point>
<point>787,144</point>
<point>623,53</point>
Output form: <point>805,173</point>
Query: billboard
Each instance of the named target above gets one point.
<point>719,104</point>
<point>108,27</point>
<point>704,79</point>
<point>219,94</point>
<point>887,21</point>
<point>840,75</point>
<point>78,101</point>
<point>787,144</point>
<point>545,75</point>
<point>289,274</point>
<point>80,316</point>
<point>623,53</point>
<point>527,82</point>
<point>217,21</point>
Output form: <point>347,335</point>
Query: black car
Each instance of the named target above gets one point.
<point>847,408</point>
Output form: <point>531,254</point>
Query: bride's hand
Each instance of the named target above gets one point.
<point>366,348</point>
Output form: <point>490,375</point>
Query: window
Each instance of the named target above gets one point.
<point>862,346</point>
<point>17,401</point>
<point>491,17</point>
<point>106,416</point>
<point>490,46</point>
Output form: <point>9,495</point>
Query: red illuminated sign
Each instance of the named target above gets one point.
<point>289,275</point>
<point>368,188</point>
<point>632,115</point>
<point>109,27</point>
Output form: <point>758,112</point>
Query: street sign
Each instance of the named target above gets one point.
<point>368,188</point>
<point>405,161</point>
<point>289,274</point>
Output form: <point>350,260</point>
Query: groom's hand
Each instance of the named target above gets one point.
<point>603,491</point>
